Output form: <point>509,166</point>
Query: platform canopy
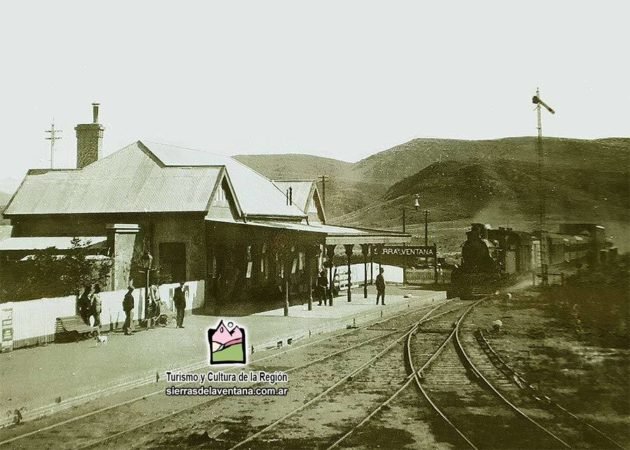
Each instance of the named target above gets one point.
<point>330,234</point>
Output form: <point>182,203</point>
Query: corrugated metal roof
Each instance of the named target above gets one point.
<point>334,234</point>
<point>42,243</point>
<point>129,180</point>
<point>256,194</point>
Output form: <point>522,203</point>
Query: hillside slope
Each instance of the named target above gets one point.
<point>295,166</point>
<point>344,194</point>
<point>502,193</point>
<point>365,184</point>
<point>406,159</point>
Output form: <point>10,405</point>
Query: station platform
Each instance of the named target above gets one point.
<point>41,380</point>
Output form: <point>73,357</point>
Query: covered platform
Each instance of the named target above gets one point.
<point>272,258</point>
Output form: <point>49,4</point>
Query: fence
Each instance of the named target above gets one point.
<point>33,321</point>
<point>392,274</point>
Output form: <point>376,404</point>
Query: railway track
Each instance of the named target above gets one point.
<point>473,407</point>
<point>315,423</point>
<point>125,418</point>
<point>576,431</point>
<point>239,422</point>
<point>472,412</point>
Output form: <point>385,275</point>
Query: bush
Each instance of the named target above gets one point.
<point>49,274</point>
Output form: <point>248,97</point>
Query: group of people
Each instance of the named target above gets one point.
<point>154,307</point>
<point>90,305</point>
<point>323,293</point>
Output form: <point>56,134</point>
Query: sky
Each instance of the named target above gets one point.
<point>340,79</point>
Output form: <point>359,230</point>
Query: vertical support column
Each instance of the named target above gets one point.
<point>365,249</point>
<point>207,265</point>
<point>379,252</point>
<point>287,260</point>
<point>122,242</point>
<point>435,271</point>
<point>330,253</point>
<point>349,248</point>
<point>220,284</point>
<point>311,252</point>
<point>371,264</point>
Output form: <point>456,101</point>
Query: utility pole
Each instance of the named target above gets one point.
<point>426,228</point>
<point>541,190</point>
<point>324,178</point>
<point>52,138</point>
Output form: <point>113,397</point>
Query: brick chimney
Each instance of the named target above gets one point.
<point>89,140</point>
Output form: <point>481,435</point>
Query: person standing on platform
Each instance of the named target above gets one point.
<point>85,305</point>
<point>97,308</point>
<point>128,303</point>
<point>322,284</point>
<point>380,287</point>
<point>179,298</point>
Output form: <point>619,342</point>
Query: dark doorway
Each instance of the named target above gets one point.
<point>172,262</point>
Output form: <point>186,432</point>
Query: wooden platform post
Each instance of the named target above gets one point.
<point>330,253</point>
<point>349,248</point>
<point>365,249</point>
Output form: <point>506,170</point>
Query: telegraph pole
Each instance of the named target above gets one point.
<point>541,193</point>
<point>52,138</point>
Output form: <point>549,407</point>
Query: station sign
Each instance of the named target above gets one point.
<point>409,250</point>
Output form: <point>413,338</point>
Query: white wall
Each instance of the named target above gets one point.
<point>34,320</point>
<point>392,274</point>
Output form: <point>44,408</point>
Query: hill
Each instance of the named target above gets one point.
<point>344,194</point>
<point>367,184</point>
<point>295,166</point>
<point>409,158</point>
<point>501,192</point>
<point>4,199</point>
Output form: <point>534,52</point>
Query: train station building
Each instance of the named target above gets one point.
<point>186,215</point>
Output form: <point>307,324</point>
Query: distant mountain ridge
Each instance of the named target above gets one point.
<point>276,166</point>
<point>4,199</point>
<point>370,181</point>
<point>413,156</point>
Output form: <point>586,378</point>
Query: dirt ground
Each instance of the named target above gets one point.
<point>572,344</point>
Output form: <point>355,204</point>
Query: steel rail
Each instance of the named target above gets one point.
<point>417,375</point>
<point>338,383</point>
<point>160,391</point>
<point>531,390</point>
<point>515,408</point>
<point>411,377</point>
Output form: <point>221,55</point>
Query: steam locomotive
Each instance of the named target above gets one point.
<point>493,258</point>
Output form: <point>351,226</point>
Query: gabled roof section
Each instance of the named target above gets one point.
<point>131,180</point>
<point>305,196</point>
<point>256,194</point>
<point>223,202</point>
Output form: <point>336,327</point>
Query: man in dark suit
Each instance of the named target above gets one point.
<point>380,286</point>
<point>128,304</point>
<point>322,284</point>
<point>179,299</point>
